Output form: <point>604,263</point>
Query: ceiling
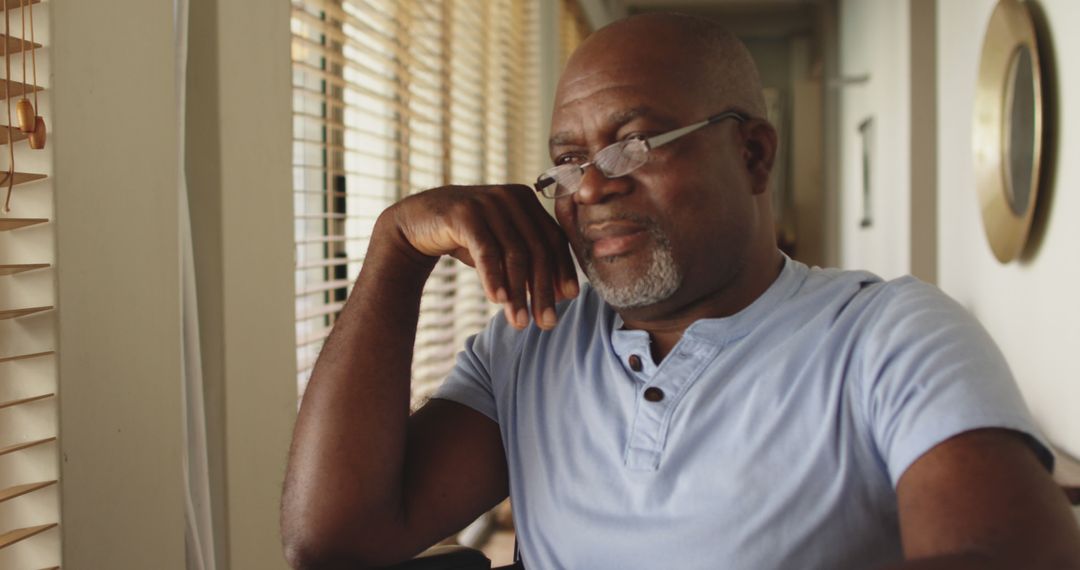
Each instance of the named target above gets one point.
<point>758,18</point>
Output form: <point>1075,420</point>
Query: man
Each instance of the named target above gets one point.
<point>705,402</point>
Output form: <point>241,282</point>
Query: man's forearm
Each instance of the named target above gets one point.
<point>345,469</point>
<point>987,562</point>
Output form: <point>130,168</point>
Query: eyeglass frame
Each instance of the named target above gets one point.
<point>650,143</point>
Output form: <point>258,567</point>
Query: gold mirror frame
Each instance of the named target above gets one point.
<point>1011,29</point>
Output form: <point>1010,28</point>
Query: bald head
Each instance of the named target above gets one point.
<point>699,55</point>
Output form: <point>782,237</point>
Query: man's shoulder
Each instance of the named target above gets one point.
<point>866,292</point>
<point>862,306</point>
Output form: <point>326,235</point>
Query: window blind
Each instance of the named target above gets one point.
<point>391,98</point>
<point>29,509</point>
<point>573,27</point>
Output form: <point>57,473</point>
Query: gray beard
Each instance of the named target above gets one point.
<point>660,281</point>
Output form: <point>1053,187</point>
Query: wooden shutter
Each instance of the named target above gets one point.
<point>29,510</point>
<point>392,98</point>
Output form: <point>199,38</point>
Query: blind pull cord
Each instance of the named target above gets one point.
<point>9,176</point>
<point>23,110</point>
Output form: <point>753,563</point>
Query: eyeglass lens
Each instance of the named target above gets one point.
<point>613,161</point>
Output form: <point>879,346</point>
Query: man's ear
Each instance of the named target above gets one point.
<point>759,152</point>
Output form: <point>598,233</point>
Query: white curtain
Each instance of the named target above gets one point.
<point>199,532</point>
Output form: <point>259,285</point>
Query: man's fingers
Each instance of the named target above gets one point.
<point>567,285</point>
<point>561,266</point>
<point>516,263</point>
<point>546,276</point>
<point>516,260</point>
<point>483,250</point>
<point>518,250</point>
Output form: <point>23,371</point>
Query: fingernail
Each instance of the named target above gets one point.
<point>522,318</point>
<point>501,296</point>
<point>570,288</point>
<point>548,317</point>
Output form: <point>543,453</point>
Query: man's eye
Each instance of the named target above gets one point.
<point>569,159</point>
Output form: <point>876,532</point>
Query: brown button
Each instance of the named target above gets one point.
<point>654,394</point>
<point>635,363</point>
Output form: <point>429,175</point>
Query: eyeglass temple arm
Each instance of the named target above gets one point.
<point>672,135</point>
<point>543,182</point>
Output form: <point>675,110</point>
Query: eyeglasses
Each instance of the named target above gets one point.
<point>618,159</point>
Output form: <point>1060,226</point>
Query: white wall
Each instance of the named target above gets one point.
<point>874,40</point>
<point>1030,307</point>
<point>114,135</point>
<point>239,133</point>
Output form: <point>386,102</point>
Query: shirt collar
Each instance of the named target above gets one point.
<point>725,329</point>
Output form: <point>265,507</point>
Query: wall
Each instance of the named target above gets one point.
<point>1030,307</point>
<point>239,133</point>
<point>115,137</point>
<point>874,41</point>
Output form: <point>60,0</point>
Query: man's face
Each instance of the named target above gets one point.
<point>675,229</point>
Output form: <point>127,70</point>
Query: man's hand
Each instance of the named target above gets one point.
<point>503,231</point>
<point>369,484</point>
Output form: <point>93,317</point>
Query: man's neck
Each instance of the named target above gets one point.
<point>667,321</point>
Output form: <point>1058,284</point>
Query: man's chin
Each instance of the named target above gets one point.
<point>637,277</point>
<point>616,271</point>
<point>634,289</point>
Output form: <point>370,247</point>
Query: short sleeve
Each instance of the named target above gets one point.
<point>470,382</point>
<point>930,371</point>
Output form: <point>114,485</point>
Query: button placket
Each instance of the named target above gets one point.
<point>656,402</point>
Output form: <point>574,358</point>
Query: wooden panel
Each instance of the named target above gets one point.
<point>25,445</point>
<point>16,313</point>
<point>13,403</point>
<point>11,537</point>
<point>12,44</point>
<point>19,135</point>
<point>13,268</point>
<point>16,223</point>
<point>26,356</point>
<point>20,490</point>
<point>14,4</point>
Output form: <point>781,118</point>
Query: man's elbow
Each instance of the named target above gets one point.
<point>317,555</point>
<point>315,545</point>
<point>306,548</point>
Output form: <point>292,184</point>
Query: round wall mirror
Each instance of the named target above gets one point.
<point>1019,132</point>
<point>1007,132</point>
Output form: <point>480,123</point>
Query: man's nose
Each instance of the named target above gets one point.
<point>596,187</point>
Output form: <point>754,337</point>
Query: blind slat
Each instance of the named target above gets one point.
<point>328,263</point>
<point>11,537</point>
<point>26,356</point>
<point>25,445</point>
<point>20,490</point>
<point>13,403</point>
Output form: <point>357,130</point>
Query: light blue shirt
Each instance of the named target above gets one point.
<point>779,438</point>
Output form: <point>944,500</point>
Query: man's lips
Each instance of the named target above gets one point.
<point>608,239</point>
